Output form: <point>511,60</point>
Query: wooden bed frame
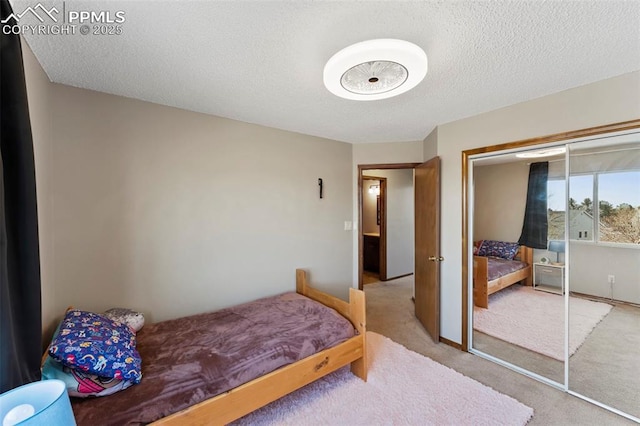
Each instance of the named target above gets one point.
<point>482,287</point>
<point>257,393</point>
<point>244,399</point>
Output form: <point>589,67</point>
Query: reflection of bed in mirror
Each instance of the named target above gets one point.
<point>491,274</point>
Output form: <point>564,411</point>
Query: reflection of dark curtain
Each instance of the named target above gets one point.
<point>20,309</point>
<point>534,227</point>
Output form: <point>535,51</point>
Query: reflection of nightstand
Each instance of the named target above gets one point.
<point>548,277</point>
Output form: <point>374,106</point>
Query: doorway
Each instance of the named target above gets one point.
<point>419,250</point>
<point>374,229</point>
<point>395,199</point>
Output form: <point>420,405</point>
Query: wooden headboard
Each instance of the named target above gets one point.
<point>525,254</point>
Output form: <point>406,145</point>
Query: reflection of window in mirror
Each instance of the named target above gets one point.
<point>618,206</point>
<point>617,199</point>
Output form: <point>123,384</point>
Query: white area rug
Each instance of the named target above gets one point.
<point>403,388</point>
<point>534,319</point>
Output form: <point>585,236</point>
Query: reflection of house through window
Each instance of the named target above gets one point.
<point>580,212</point>
<point>617,195</point>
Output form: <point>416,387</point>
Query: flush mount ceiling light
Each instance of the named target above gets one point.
<point>375,69</point>
<point>542,153</point>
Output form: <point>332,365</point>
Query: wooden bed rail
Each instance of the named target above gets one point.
<point>354,311</point>
<point>302,287</point>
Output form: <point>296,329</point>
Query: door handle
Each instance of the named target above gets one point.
<point>436,259</point>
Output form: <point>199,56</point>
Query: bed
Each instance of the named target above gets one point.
<point>492,274</point>
<point>253,384</point>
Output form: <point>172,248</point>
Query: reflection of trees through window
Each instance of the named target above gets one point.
<point>617,195</point>
<point>619,221</point>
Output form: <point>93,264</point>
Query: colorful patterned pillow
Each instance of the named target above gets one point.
<point>97,345</point>
<point>502,249</point>
<point>80,384</point>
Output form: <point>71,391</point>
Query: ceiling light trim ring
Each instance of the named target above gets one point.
<point>407,55</point>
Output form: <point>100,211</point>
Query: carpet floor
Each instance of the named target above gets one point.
<point>403,388</point>
<point>535,319</point>
<point>390,312</point>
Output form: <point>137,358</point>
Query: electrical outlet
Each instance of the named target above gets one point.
<point>612,279</point>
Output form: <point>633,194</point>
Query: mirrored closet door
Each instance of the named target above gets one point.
<point>573,321</point>
<point>518,305</point>
<point>604,271</point>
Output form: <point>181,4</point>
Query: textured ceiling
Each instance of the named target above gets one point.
<point>262,61</point>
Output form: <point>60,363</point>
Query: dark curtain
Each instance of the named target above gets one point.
<point>20,306</point>
<point>534,228</point>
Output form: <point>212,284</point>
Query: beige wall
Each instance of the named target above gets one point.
<point>591,264</point>
<point>430,145</point>
<point>500,197</point>
<point>386,153</point>
<point>608,101</point>
<point>172,212</point>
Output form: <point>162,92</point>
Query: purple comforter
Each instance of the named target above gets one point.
<point>498,267</point>
<point>191,359</point>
